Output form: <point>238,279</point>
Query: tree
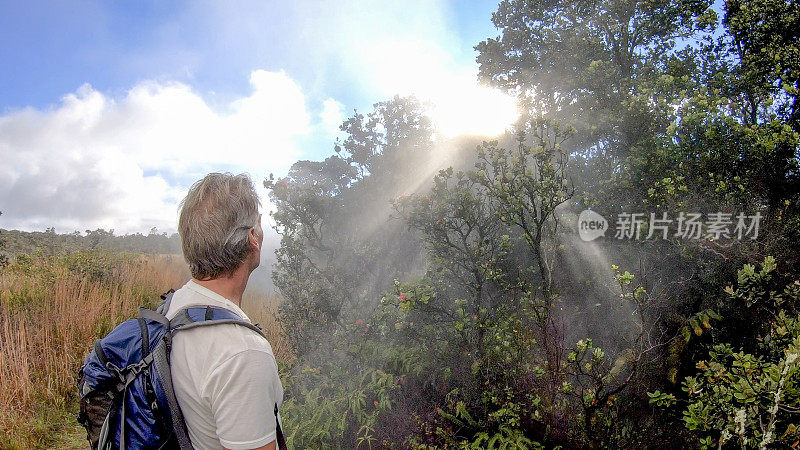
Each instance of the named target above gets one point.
<point>463,316</point>
<point>590,64</point>
<point>98,237</point>
<point>389,140</point>
<point>751,396</point>
<point>330,264</point>
<point>765,41</point>
<point>3,256</point>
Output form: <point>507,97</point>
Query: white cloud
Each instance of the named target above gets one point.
<point>370,49</point>
<point>124,162</point>
<point>332,116</point>
<point>94,161</point>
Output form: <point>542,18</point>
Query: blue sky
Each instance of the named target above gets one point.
<point>110,110</point>
<point>50,48</point>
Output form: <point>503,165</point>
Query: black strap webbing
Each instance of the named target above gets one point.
<point>148,314</point>
<point>145,337</point>
<point>101,355</point>
<point>281,440</point>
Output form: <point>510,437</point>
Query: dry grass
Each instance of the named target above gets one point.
<point>263,310</point>
<point>52,309</point>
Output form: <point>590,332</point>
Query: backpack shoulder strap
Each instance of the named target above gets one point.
<point>166,301</point>
<point>199,316</point>
<point>161,363</point>
<point>155,316</point>
<point>186,319</point>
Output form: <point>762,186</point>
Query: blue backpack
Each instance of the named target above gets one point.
<point>126,395</point>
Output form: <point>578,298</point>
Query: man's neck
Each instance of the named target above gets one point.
<point>231,287</point>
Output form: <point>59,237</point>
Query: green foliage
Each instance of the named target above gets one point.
<point>3,256</point>
<point>335,413</point>
<point>586,63</point>
<point>505,439</point>
<point>527,184</point>
<point>467,304</point>
<point>742,397</point>
<point>387,139</point>
<point>499,429</point>
<point>51,243</point>
<point>661,398</point>
<point>476,309</point>
<point>97,265</point>
<point>765,36</point>
<point>505,419</point>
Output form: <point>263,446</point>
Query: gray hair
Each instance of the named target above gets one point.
<point>215,220</point>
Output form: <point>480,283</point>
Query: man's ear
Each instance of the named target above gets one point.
<point>251,236</point>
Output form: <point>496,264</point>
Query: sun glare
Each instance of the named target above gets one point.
<point>473,109</point>
<point>458,104</point>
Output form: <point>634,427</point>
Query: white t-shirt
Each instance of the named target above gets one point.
<point>225,378</point>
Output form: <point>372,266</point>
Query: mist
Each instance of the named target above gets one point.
<point>571,225</point>
<point>578,279</point>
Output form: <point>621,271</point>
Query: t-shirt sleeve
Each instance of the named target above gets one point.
<point>243,391</point>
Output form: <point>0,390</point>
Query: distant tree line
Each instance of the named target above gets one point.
<point>14,242</point>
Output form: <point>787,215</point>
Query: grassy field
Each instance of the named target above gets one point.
<point>52,308</point>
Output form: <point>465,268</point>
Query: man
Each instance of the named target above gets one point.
<point>225,376</point>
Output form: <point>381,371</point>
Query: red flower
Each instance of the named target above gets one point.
<point>359,322</point>
<point>375,403</point>
<point>402,297</point>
